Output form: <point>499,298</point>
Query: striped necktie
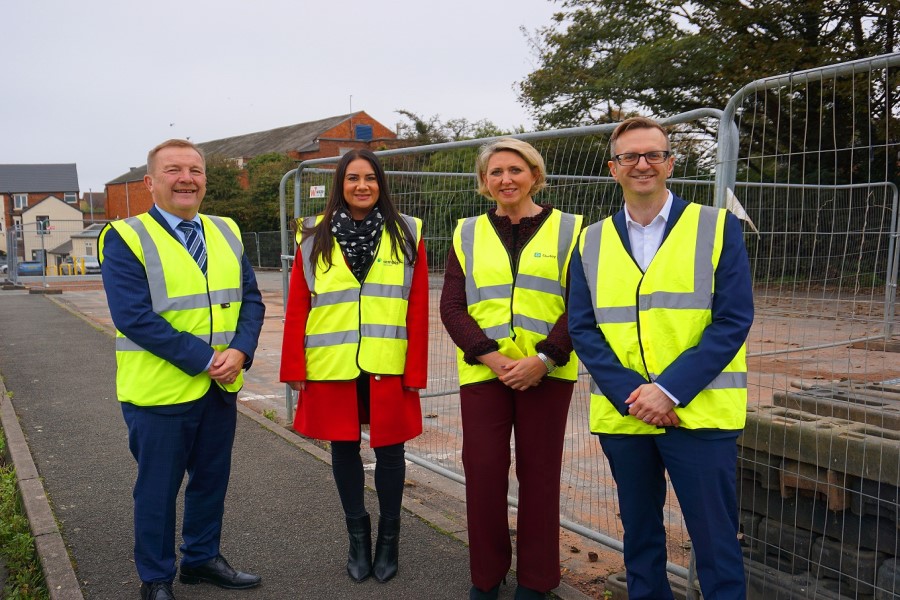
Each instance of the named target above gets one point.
<point>193,241</point>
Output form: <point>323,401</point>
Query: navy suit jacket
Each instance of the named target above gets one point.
<point>131,309</point>
<point>732,315</point>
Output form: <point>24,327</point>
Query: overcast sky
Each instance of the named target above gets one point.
<point>100,82</point>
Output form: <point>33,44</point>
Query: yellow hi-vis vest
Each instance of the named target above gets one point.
<point>206,307</point>
<point>517,311</point>
<point>650,318</point>
<point>355,327</point>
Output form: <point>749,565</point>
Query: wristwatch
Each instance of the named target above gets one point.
<point>548,362</point>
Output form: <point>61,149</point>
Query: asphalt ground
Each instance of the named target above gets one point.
<point>282,519</point>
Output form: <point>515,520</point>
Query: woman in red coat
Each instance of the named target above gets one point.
<point>356,346</point>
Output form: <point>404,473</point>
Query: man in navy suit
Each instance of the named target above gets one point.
<point>660,306</point>
<point>188,313</point>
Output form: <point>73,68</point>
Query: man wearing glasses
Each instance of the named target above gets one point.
<point>660,305</point>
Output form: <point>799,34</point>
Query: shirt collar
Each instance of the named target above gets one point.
<point>173,220</point>
<point>663,213</point>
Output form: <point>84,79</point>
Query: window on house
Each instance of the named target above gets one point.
<point>20,201</point>
<point>18,226</point>
<point>70,197</point>
<point>43,224</point>
<point>88,249</point>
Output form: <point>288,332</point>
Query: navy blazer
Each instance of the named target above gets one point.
<point>732,315</point>
<point>128,295</point>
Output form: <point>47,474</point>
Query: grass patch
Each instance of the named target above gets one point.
<point>25,579</point>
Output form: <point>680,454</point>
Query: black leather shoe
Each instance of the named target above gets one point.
<point>218,572</point>
<point>158,590</point>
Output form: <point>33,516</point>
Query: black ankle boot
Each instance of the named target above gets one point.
<point>491,594</point>
<point>524,593</point>
<point>387,549</point>
<point>359,558</point>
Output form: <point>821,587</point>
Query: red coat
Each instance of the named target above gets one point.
<point>328,410</point>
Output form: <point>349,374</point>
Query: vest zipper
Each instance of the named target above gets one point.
<point>637,321</point>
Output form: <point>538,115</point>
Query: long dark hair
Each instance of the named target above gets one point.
<point>402,238</point>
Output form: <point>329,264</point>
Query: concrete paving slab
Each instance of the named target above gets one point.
<point>283,517</point>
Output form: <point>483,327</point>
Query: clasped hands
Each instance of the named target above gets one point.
<point>227,365</point>
<point>519,374</point>
<point>652,406</point>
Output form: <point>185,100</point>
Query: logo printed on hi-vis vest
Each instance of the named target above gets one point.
<point>390,263</point>
<point>544,255</point>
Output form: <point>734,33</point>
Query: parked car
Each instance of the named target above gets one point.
<point>30,267</point>
<point>91,265</point>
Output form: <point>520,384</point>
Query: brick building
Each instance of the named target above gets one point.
<point>126,195</point>
<point>24,186</point>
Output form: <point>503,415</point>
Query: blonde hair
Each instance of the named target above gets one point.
<point>528,153</point>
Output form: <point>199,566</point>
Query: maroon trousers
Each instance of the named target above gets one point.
<point>491,411</point>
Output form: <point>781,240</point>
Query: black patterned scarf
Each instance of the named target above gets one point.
<point>358,239</point>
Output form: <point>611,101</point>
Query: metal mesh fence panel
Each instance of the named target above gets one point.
<point>48,251</point>
<point>819,467</point>
<point>811,162</point>
<point>437,184</point>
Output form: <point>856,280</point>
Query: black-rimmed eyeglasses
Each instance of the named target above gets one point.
<point>629,159</point>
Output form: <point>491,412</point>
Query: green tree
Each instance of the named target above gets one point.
<point>601,59</point>
<point>222,179</point>
<point>432,130</point>
<point>257,207</point>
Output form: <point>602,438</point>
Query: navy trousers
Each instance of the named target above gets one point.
<point>194,438</point>
<point>702,469</point>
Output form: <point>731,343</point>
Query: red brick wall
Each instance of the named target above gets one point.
<point>346,129</point>
<point>120,205</point>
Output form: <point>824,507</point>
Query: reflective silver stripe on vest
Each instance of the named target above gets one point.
<point>698,299</point>
<point>382,290</point>
<point>590,257</point>
<point>725,381</point>
<point>722,381</point>
<point>157,283</point>
<point>391,332</point>
<point>534,325</point>
<point>225,296</point>
<point>224,338</point>
<point>566,235</point>
<point>322,340</point>
<point>497,332</point>
<point>539,284</point>
<point>230,237</point>
<point>329,298</point>
<point>473,293</point>
<point>408,269</point>
<point>306,246</point>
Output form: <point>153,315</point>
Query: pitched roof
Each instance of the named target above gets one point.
<point>292,138</point>
<point>283,139</point>
<point>38,178</point>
